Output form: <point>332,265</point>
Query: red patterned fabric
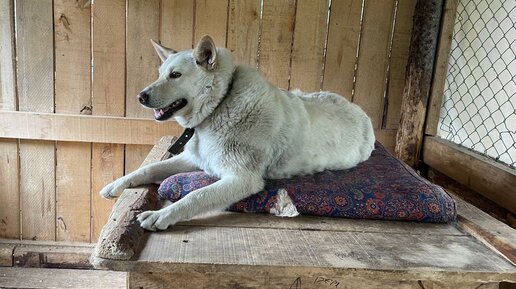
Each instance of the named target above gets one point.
<point>382,187</point>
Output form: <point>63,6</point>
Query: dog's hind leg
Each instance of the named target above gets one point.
<point>219,195</point>
<point>152,173</point>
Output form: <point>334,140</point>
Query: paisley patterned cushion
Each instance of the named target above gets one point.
<point>382,187</point>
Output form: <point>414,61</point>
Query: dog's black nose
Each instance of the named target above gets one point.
<point>143,97</point>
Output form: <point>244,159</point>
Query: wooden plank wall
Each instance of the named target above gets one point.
<point>92,57</point>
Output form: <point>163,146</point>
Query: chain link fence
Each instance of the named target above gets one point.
<point>479,107</point>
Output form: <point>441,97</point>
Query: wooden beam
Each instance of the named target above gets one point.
<point>45,254</point>
<point>61,278</point>
<point>6,254</point>
<point>122,234</point>
<point>496,235</point>
<point>54,255</point>
<point>423,43</point>
<point>486,176</point>
<point>441,66</point>
<point>81,128</point>
<point>103,129</point>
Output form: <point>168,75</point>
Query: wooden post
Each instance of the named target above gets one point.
<point>418,79</point>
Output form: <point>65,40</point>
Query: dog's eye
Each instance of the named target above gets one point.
<point>175,74</point>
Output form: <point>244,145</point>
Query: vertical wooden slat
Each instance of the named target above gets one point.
<point>211,17</point>
<point>399,57</point>
<point>177,23</point>
<point>72,43</point>
<point>276,40</point>
<point>35,85</point>
<point>373,58</point>
<point>108,98</point>
<point>7,59</point>
<point>9,193</point>
<point>343,38</point>
<point>243,30</point>
<point>141,66</point>
<point>308,47</point>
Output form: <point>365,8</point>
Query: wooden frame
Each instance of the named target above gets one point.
<point>493,180</point>
<point>211,249</point>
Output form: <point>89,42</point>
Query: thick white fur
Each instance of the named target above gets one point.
<point>256,131</point>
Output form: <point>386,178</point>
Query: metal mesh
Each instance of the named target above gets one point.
<point>479,103</point>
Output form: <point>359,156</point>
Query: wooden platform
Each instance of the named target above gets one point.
<point>234,250</point>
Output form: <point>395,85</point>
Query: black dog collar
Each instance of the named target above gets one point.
<point>181,141</point>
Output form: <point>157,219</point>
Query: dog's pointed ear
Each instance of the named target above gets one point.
<point>162,51</point>
<point>205,53</point>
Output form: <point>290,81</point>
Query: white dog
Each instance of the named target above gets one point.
<point>245,130</point>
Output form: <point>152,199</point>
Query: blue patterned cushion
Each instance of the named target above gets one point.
<point>382,187</point>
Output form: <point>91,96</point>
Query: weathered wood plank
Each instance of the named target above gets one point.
<point>343,38</point>
<point>308,45</point>
<point>245,220</point>
<point>7,56</point>
<point>276,40</point>
<point>423,43</point>
<point>35,85</point>
<point>399,57</point>
<point>250,251</point>
<point>6,254</point>
<point>373,58</point>
<point>58,255</point>
<point>72,44</point>
<point>44,126</point>
<point>141,60</point>
<point>177,23</point>
<point>493,180</point>
<point>494,234</point>
<point>134,155</point>
<point>61,278</point>
<point>9,190</point>
<point>211,17</point>
<point>122,234</point>
<point>108,98</point>
<point>244,31</point>
<point>142,65</point>
<point>387,137</point>
<point>9,196</point>
<point>260,280</point>
<point>73,189</point>
<point>441,66</point>
<point>79,128</point>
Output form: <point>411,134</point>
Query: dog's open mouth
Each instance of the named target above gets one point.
<point>167,112</point>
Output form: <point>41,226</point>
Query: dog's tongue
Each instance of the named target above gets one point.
<point>158,113</point>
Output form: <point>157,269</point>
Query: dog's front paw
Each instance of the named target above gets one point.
<point>113,189</point>
<point>154,220</point>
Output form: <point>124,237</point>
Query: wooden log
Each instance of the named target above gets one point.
<point>425,31</point>
<point>121,236</point>
<point>441,66</point>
